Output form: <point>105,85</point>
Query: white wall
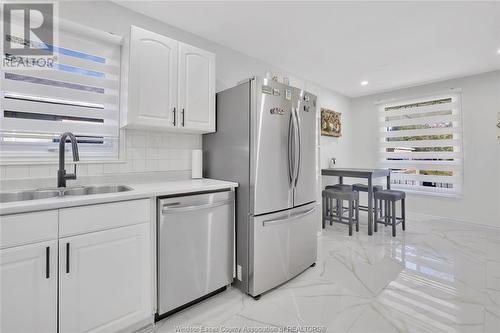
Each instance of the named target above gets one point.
<point>480,201</point>
<point>172,149</point>
<point>155,151</point>
<point>341,147</point>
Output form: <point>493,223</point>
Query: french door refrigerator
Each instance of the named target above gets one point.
<point>266,141</point>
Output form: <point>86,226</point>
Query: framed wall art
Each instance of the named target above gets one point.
<point>331,123</point>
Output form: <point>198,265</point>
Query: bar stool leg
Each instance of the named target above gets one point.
<point>357,215</point>
<point>376,216</point>
<point>380,208</point>
<point>393,218</point>
<point>381,203</point>
<point>330,207</point>
<point>350,217</point>
<point>324,210</point>
<point>331,210</point>
<point>387,212</point>
<point>403,213</point>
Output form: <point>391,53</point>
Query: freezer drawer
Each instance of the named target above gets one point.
<point>284,245</point>
<point>195,247</point>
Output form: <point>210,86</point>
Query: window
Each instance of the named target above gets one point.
<point>421,143</point>
<point>80,94</point>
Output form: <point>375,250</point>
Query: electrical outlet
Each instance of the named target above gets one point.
<point>238,273</point>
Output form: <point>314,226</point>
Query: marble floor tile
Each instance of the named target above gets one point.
<point>437,276</point>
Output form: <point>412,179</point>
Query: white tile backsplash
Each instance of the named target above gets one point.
<point>39,171</point>
<point>136,153</point>
<point>95,169</point>
<point>14,171</point>
<point>153,140</point>
<point>145,151</point>
<point>163,164</point>
<point>152,165</point>
<point>139,165</point>
<point>111,168</point>
<point>163,153</point>
<point>139,139</point>
<point>151,153</point>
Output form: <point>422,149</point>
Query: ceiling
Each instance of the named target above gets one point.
<point>339,44</point>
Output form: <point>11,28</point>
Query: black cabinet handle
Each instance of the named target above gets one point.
<point>67,257</point>
<point>47,262</point>
<point>175,121</point>
<point>183,112</point>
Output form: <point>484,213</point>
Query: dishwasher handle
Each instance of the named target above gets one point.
<point>167,209</point>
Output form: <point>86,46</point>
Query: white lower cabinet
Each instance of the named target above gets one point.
<point>28,276</point>
<point>92,263</point>
<point>105,279</point>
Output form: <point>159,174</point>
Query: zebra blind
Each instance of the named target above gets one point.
<point>421,143</point>
<point>79,94</point>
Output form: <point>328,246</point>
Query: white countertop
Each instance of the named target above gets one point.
<point>140,190</point>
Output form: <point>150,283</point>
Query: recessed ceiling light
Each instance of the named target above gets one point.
<point>498,51</point>
<point>364,83</point>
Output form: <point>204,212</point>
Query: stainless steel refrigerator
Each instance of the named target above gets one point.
<point>266,141</point>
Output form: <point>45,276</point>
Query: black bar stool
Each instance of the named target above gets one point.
<point>387,200</point>
<point>338,187</point>
<point>352,197</point>
<point>364,188</point>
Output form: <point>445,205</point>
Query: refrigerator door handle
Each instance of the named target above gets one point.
<point>290,152</point>
<point>297,140</point>
<point>286,219</point>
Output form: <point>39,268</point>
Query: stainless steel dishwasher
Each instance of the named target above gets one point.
<point>195,248</point>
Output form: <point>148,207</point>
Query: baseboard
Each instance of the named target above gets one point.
<point>140,326</point>
<point>411,214</point>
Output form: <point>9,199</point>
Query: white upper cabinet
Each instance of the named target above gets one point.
<point>196,88</point>
<point>28,276</point>
<point>171,84</point>
<point>152,80</point>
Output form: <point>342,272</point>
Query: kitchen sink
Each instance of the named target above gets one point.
<point>88,190</point>
<point>60,192</point>
<point>27,195</point>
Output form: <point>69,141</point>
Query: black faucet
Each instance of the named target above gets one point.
<point>61,173</point>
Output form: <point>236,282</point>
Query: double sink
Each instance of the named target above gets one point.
<point>60,192</point>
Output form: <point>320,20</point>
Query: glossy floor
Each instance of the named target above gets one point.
<point>438,276</point>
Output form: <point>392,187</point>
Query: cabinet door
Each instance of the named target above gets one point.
<point>152,80</point>
<point>28,276</point>
<point>196,88</point>
<point>105,280</point>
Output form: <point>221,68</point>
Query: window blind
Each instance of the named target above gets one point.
<point>421,143</point>
<point>79,94</point>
